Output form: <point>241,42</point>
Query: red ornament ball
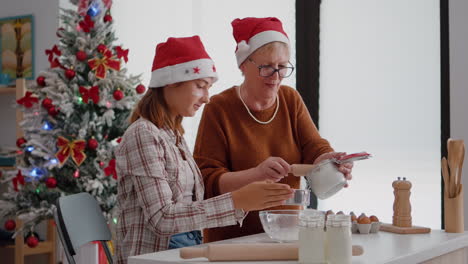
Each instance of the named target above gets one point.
<point>118,95</point>
<point>32,241</point>
<point>41,81</point>
<point>10,225</point>
<point>140,89</point>
<point>51,182</point>
<point>47,103</point>
<point>101,48</point>
<point>107,18</point>
<point>92,144</point>
<point>81,55</point>
<point>70,74</point>
<point>20,142</point>
<point>52,111</point>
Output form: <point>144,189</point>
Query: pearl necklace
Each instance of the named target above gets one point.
<point>250,113</point>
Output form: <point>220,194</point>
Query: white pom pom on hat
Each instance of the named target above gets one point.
<point>179,60</point>
<point>251,33</point>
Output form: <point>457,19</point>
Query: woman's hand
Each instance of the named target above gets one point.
<point>261,195</point>
<point>345,168</point>
<point>273,168</point>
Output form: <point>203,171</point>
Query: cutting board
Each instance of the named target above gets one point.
<point>404,230</point>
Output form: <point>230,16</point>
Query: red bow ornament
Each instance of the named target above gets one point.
<point>101,65</point>
<point>27,101</point>
<point>91,93</point>
<point>110,169</point>
<point>75,149</point>
<point>18,179</point>
<point>122,53</point>
<point>86,24</point>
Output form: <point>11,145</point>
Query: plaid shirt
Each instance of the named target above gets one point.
<point>152,176</point>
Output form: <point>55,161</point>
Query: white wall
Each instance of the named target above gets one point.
<point>45,14</point>
<point>459,80</point>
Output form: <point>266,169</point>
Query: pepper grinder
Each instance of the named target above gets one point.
<point>401,205</point>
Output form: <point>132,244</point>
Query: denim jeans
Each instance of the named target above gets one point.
<point>186,239</point>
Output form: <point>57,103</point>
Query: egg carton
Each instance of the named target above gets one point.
<point>373,227</point>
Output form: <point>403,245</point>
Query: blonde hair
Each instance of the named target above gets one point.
<point>269,47</point>
<point>153,107</point>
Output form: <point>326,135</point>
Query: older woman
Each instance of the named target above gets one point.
<point>160,188</point>
<point>254,131</point>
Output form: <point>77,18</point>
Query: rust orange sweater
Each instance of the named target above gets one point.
<point>229,139</point>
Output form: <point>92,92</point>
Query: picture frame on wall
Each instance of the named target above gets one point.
<point>16,48</point>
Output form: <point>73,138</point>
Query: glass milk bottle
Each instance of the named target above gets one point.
<point>311,237</point>
<point>338,239</point>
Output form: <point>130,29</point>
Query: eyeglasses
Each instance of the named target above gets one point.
<point>267,70</point>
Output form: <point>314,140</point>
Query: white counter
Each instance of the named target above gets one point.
<point>381,247</point>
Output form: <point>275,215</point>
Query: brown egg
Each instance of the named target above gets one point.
<point>362,215</point>
<point>329,212</point>
<point>340,213</point>
<point>374,218</point>
<point>353,218</point>
<point>364,220</point>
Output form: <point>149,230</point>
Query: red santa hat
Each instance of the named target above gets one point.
<point>179,60</point>
<point>251,33</point>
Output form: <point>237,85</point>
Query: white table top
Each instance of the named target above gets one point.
<point>381,247</point>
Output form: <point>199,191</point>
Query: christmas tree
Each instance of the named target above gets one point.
<point>74,116</point>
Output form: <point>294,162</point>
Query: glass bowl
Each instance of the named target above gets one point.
<point>281,225</point>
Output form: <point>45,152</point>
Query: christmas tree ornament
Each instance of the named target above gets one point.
<point>47,126</point>
<point>32,241</point>
<point>140,89</point>
<point>60,32</point>
<point>93,144</point>
<point>107,18</point>
<point>122,53</point>
<point>110,169</point>
<point>37,172</point>
<point>52,111</point>
<point>118,95</point>
<point>10,225</point>
<point>70,73</point>
<point>94,9</point>
<point>101,48</point>
<point>101,65</point>
<point>47,103</point>
<point>86,24</point>
<point>51,182</point>
<point>28,100</point>
<point>76,174</point>
<point>18,179</point>
<point>67,148</point>
<point>41,81</point>
<point>81,55</point>
<point>91,93</point>
<point>20,142</point>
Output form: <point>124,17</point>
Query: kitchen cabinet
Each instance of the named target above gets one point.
<point>382,247</point>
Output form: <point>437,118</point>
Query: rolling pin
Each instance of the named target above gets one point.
<point>250,251</point>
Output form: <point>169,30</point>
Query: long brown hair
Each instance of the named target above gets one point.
<point>153,107</point>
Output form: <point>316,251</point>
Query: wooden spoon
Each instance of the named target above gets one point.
<point>460,165</point>
<point>445,175</point>
<point>301,169</point>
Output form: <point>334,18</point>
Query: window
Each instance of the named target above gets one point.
<point>380,92</point>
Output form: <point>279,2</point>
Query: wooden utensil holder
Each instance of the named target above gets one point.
<point>453,213</point>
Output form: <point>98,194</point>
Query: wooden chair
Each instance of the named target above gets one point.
<point>44,247</point>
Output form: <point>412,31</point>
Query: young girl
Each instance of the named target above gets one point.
<point>160,188</point>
